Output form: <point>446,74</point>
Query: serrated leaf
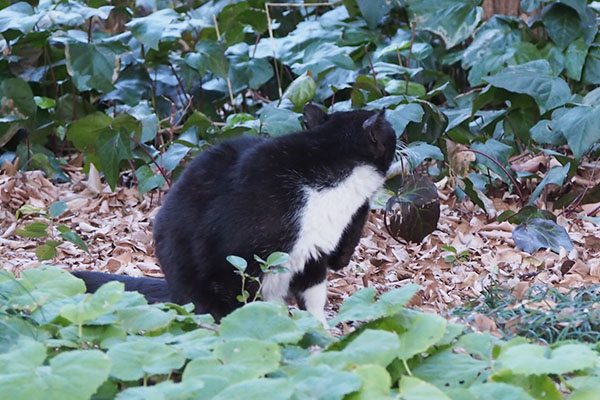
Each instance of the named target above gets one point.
<point>555,176</point>
<point>34,230</point>
<point>541,234</point>
<point>535,79</point>
<point>134,360</point>
<point>415,211</point>
<point>71,375</point>
<point>453,20</point>
<point>47,251</point>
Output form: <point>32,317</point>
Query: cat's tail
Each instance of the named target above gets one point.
<point>154,290</point>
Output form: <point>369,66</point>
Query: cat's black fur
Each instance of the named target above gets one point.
<point>242,198</point>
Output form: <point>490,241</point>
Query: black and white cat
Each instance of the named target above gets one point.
<point>305,194</point>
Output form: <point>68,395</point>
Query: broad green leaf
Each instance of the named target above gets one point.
<point>447,369</point>
<point>578,126</point>
<point>113,146</point>
<point>591,68</point>
<point>166,390</point>
<point>499,391</point>
<point>144,318</point>
<point>266,321</point>
<point>541,234</point>
<point>361,306</point>
<point>562,24</point>
<point>422,332</point>
<point>72,375</point>
<point>91,65</point>
<point>416,389</point>
<point>498,151</point>
<point>20,16</point>
<point>258,389</point>
<point>132,85</point>
<point>17,98</point>
<point>237,361</point>
<point>376,383</point>
<point>148,180</point>
<point>150,29</point>
<point>575,56</point>
<point>530,212</point>
<point>245,71</point>
<point>279,121</point>
<point>402,115</point>
<point>586,387</point>
<point>277,258</point>
<point>44,102</point>
<point>323,382</point>
<point>555,176</point>
<point>208,57</point>
<point>417,152</point>
<point>452,20</point>
<point>134,360</point>
<point>431,126</point>
<point>238,262</point>
<point>533,359</point>
<point>373,11</point>
<point>85,131</point>
<point>537,386</point>
<point>34,230</point>
<point>94,305</point>
<point>369,347</point>
<point>536,79</point>
<point>321,56</point>
<point>301,90</point>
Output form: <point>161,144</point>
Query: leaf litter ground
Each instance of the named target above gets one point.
<point>118,230</point>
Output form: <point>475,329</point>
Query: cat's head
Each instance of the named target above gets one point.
<point>370,135</point>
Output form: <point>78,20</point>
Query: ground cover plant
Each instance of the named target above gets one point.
<point>499,110</point>
<point>112,343</point>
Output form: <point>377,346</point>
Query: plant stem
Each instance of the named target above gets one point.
<point>161,170</point>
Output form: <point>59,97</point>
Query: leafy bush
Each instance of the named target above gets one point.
<point>140,87</point>
<point>58,343</point>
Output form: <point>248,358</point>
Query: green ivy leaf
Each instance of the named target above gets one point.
<point>541,234</point>
<point>208,57</point>
<point>562,24</point>
<point>555,176</point>
<point>402,115</point>
<point>279,121</point>
<point>373,11</point>
<point>91,65</point>
<point>575,56</point>
<point>301,90</point>
<point>535,79</point>
<point>453,20</point>
<point>134,360</point>
<point>579,126</point>
<point>19,16</point>
<point>85,131</point>
<point>112,148</point>
<point>148,180</point>
<point>72,375</point>
<point>150,29</point>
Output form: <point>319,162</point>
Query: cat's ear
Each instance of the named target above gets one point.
<point>313,116</point>
<point>371,124</point>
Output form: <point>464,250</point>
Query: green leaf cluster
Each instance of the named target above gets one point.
<point>58,343</point>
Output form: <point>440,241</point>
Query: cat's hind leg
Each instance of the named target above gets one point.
<point>310,289</point>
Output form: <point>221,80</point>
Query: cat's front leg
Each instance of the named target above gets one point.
<point>309,286</point>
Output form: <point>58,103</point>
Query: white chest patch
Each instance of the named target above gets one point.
<point>325,215</point>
